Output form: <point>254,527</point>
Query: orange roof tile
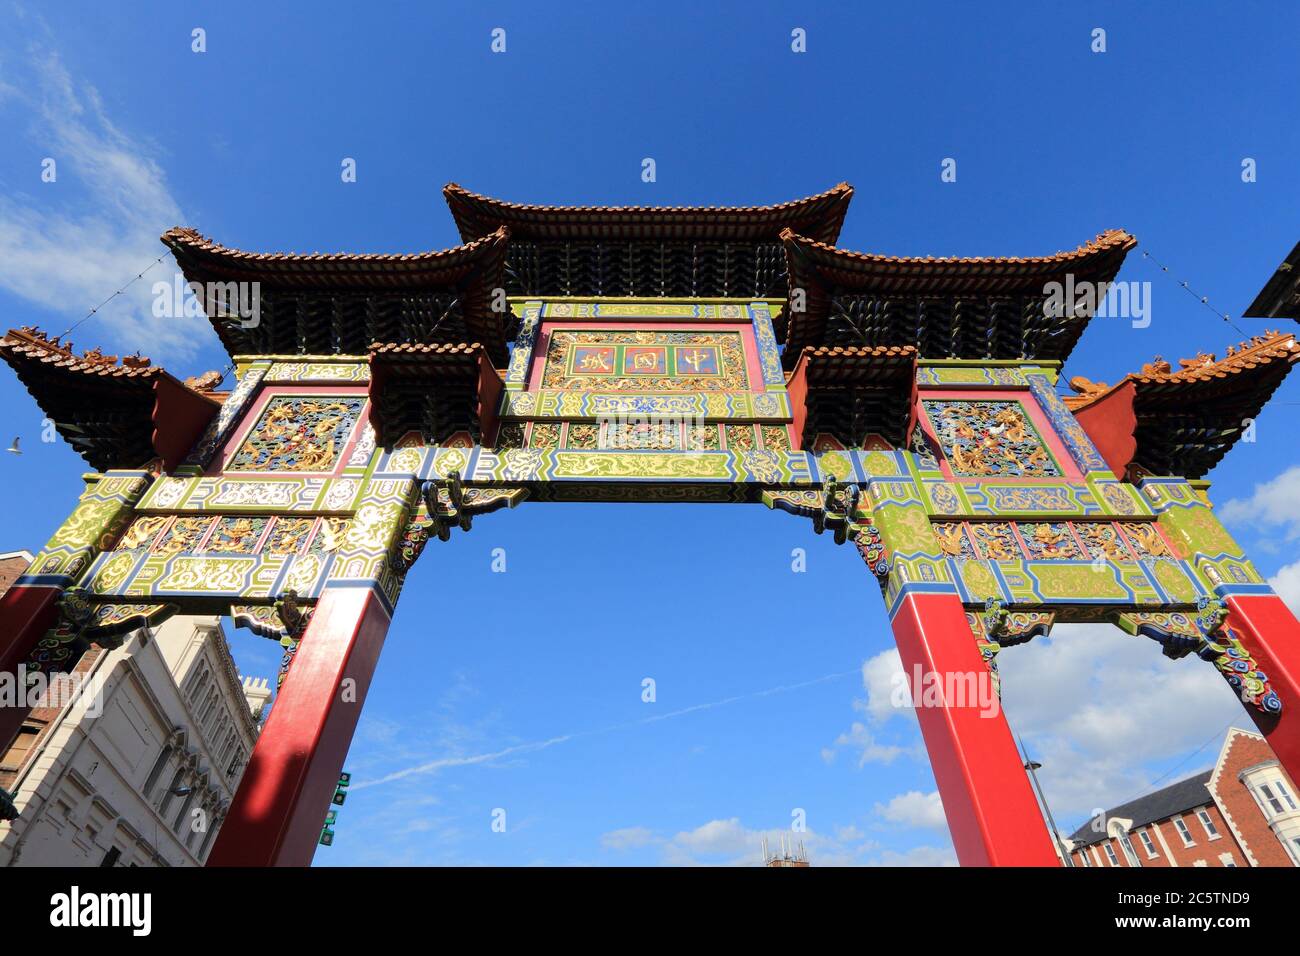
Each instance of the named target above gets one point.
<point>203,260</point>
<point>953,274</point>
<point>821,216</point>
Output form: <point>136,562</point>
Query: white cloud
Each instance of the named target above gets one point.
<point>628,838</point>
<point>916,856</point>
<point>68,245</point>
<point>1275,504</point>
<point>1287,584</point>
<point>1097,707</point>
<point>915,809</point>
<point>864,741</point>
<point>717,836</point>
<point>880,676</point>
<point>728,842</point>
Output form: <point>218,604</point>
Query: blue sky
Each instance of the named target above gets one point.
<point>522,690</point>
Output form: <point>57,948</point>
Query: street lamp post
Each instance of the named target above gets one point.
<point>1031,766</point>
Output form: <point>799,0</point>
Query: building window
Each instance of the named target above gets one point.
<point>1183,832</point>
<point>21,746</point>
<point>1200,863</point>
<point>1129,853</point>
<point>1211,830</point>
<point>1270,798</point>
<point>1084,856</point>
<point>1147,844</point>
<point>1227,860</point>
<point>111,857</point>
<point>170,792</point>
<point>158,767</point>
<point>1110,854</point>
<point>1284,793</point>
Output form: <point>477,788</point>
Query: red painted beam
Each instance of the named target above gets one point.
<point>26,613</point>
<point>1271,633</point>
<point>180,416</point>
<point>992,813</point>
<point>490,387</point>
<point>278,812</point>
<point>1111,422</point>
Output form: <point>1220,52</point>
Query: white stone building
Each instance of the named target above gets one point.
<point>148,779</point>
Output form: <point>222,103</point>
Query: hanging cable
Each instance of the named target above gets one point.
<point>1204,300</point>
<point>139,275</point>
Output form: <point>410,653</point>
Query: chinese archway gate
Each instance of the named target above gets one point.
<point>640,354</point>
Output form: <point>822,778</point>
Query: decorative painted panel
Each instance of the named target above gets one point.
<point>982,439</point>
<point>556,403</point>
<point>645,361</point>
<point>645,310</point>
<point>299,433</point>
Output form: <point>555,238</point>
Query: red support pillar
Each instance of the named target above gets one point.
<point>26,613</point>
<point>278,812</point>
<point>992,814</point>
<point>1271,633</point>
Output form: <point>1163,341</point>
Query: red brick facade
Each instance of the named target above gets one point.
<point>1228,828</point>
<point>1167,844</point>
<point>11,566</point>
<point>1251,828</point>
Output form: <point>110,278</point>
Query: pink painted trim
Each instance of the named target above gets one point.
<point>748,342</point>
<point>254,413</point>
<point>1064,460</point>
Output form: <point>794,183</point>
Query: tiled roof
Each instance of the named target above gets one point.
<point>336,302</point>
<point>203,260</point>
<point>967,307</point>
<point>29,345</point>
<point>1240,366</point>
<point>433,388</point>
<point>851,392</point>
<point>1280,297</point>
<point>820,216</point>
<point>106,410</point>
<point>1176,798</point>
<point>425,348</point>
<point>858,363</point>
<point>986,275</point>
<point>1187,419</point>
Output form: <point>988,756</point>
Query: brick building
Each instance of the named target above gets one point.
<point>12,564</point>
<point>1244,811</point>
<point>135,759</point>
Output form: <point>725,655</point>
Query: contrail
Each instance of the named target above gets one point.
<point>433,766</point>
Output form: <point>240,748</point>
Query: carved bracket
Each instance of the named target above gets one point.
<point>1212,639</point>
<point>839,503</point>
<point>447,504</point>
<point>997,627</point>
<point>284,619</point>
<point>82,622</point>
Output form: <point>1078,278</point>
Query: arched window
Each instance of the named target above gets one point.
<point>213,826</point>
<point>159,765</point>
<point>196,695</point>
<point>208,705</point>
<point>170,794</point>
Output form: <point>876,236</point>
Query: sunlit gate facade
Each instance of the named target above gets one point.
<point>908,407</point>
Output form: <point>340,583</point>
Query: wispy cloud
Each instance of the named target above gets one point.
<point>444,763</point>
<point>1273,507</point>
<point>728,842</point>
<point>69,244</point>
